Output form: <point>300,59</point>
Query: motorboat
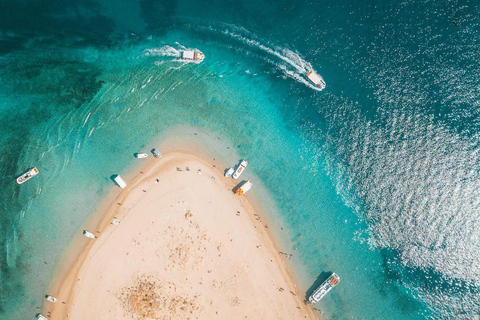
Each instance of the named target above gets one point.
<point>88,234</point>
<point>27,175</point>
<point>229,172</point>
<point>141,155</point>
<point>194,55</point>
<point>241,167</point>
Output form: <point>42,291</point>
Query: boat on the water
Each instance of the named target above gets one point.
<point>88,234</point>
<point>244,187</point>
<point>229,172</point>
<point>324,288</point>
<point>27,175</point>
<point>316,79</point>
<point>241,167</point>
<point>193,55</point>
<point>41,317</point>
<point>121,183</point>
<point>156,153</point>
<point>51,299</point>
<point>141,155</point>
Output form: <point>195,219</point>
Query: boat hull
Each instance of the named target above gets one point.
<point>27,175</point>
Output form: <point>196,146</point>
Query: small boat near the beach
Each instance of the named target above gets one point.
<point>88,234</point>
<point>141,155</point>
<point>193,55</point>
<point>240,169</point>
<point>51,299</point>
<point>229,172</point>
<point>156,153</point>
<point>27,175</point>
<point>122,184</point>
<point>316,79</point>
<point>41,317</point>
<point>244,187</point>
<point>324,288</point>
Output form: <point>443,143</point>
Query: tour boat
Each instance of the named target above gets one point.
<point>316,79</point>
<point>141,155</point>
<point>324,288</point>
<point>193,55</point>
<point>27,175</point>
<point>244,187</point>
<point>52,299</point>
<point>88,234</point>
<point>41,317</point>
<point>156,153</point>
<point>229,172</point>
<point>122,184</point>
<point>240,169</point>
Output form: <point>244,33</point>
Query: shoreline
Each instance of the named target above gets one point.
<point>65,284</point>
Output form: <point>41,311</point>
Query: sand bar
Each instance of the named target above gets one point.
<point>186,248</point>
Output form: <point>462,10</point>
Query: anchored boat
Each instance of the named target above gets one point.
<point>240,169</point>
<point>193,55</point>
<point>41,317</point>
<point>51,299</point>
<point>316,79</point>
<point>156,153</point>
<point>141,155</point>
<point>324,288</point>
<point>122,184</point>
<point>244,187</point>
<point>229,172</point>
<point>27,175</point>
<point>88,234</point>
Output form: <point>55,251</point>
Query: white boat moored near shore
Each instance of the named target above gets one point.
<point>316,79</point>
<point>27,175</point>
<point>156,153</point>
<point>193,55</point>
<point>229,172</point>
<point>241,167</point>
<point>122,184</point>
<point>244,187</point>
<point>51,299</point>
<point>41,317</point>
<point>324,288</point>
<point>88,234</point>
<point>141,155</point>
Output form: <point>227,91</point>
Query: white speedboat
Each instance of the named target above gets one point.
<point>27,175</point>
<point>141,155</point>
<point>51,299</point>
<point>229,172</point>
<point>244,187</point>
<point>41,317</point>
<point>324,288</point>
<point>88,234</point>
<point>193,55</point>
<point>240,169</point>
<point>316,79</point>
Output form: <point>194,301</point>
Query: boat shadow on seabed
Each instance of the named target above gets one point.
<point>320,279</point>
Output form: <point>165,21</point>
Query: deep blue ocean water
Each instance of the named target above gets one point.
<point>375,178</point>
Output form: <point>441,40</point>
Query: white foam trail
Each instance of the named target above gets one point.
<point>88,116</point>
<point>165,51</point>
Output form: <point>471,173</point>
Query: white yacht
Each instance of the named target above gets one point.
<point>316,79</point>
<point>27,175</point>
<point>240,169</point>
<point>324,288</point>
<point>41,317</point>
<point>193,55</point>
<point>51,299</point>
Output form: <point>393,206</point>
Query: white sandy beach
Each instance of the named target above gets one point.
<point>186,248</point>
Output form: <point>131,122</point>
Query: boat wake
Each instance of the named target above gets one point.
<point>290,63</point>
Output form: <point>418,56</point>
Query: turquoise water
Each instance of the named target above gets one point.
<point>374,178</point>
